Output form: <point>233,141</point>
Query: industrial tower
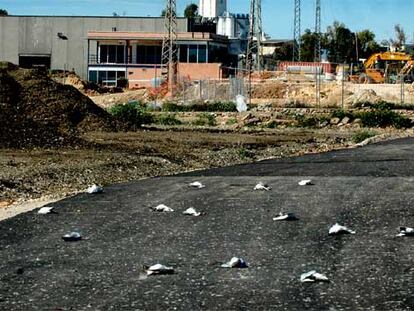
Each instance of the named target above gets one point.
<point>318,52</point>
<point>297,31</point>
<point>169,57</point>
<point>254,57</point>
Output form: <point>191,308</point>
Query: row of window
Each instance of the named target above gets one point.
<point>187,53</point>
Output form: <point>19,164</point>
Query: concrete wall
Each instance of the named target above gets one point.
<point>38,35</point>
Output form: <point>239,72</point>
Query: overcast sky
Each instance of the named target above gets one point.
<point>377,15</point>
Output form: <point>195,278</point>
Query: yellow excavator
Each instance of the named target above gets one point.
<point>386,67</point>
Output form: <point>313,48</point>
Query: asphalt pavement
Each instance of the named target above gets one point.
<point>368,189</point>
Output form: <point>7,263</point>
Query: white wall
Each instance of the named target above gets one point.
<point>212,8</point>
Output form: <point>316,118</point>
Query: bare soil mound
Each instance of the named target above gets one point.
<point>37,111</point>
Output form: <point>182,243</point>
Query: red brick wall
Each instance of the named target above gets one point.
<point>141,77</point>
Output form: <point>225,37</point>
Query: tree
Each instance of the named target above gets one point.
<point>400,38</point>
<point>366,44</point>
<point>3,12</point>
<point>191,11</point>
<point>341,44</point>
<point>163,13</point>
<point>284,52</point>
<point>307,48</point>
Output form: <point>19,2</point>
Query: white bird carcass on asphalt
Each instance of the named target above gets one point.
<point>262,187</point>
<point>162,208</point>
<point>286,217</point>
<point>235,263</point>
<point>306,182</point>
<point>46,210</point>
<point>313,276</point>
<point>158,269</point>
<point>338,230</point>
<point>405,231</point>
<point>72,237</point>
<point>94,189</point>
<point>197,185</point>
<point>191,212</point>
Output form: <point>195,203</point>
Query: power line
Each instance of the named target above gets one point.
<point>297,31</point>
<point>169,57</point>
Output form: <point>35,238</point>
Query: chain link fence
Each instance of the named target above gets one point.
<point>284,89</point>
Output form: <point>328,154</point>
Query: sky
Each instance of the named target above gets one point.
<point>379,16</point>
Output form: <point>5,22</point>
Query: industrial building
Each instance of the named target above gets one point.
<point>105,49</point>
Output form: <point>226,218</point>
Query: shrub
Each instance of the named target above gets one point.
<point>304,121</point>
<point>168,119</point>
<point>271,124</point>
<point>383,118</point>
<point>132,113</point>
<point>200,107</point>
<point>341,113</point>
<point>231,121</point>
<point>359,137</point>
<point>205,119</point>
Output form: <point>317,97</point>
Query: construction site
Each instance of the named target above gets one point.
<point>136,105</point>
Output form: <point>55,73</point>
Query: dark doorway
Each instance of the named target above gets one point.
<point>34,61</point>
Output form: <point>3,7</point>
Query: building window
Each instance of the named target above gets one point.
<point>202,53</point>
<point>149,54</point>
<point>183,53</point>
<point>114,54</point>
<point>106,77</point>
<point>192,54</point>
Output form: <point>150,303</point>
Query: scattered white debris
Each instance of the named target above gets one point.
<point>94,189</point>
<point>72,237</point>
<point>262,187</point>
<point>46,210</point>
<point>158,269</point>
<point>306,182</point>
<point>338,229</point>
<point>197,185</point>
<point>241,103</point>
<point>313,276</point>
<point>286,216</point>
<point>405,231</point>
<point>192,212</point>
<point>235,263</point>
<point>163,208</point>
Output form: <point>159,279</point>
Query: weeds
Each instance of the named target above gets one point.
<point>132,113</point>
<point>205,119</point>
<point>359,137</point>
<point>168,119</point>
<point>245,153</point>
<point>200,107</point>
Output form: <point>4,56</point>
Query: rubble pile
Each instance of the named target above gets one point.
<point>37,111</point>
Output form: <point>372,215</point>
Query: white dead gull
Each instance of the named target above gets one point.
<point>158,269</point>
<point>72,237</point>
<point>262,187</point>
<point>306,182</point>
<point>405,231</point>
<point>197,185</point>
<point>94,189</point>
<point>313,276</point>
<point>235,263</point>
<point>162,208</point>
<point>191,212</point>
<point>46,210</point>
<point>286,217</point>
<point>338,230</point>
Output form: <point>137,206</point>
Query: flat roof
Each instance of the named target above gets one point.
<point>135,35</point>
<point>88,16</point>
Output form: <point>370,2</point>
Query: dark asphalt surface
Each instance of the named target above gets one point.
<point>368,189</point>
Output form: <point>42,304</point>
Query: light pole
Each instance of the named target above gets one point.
<point>63,37</point>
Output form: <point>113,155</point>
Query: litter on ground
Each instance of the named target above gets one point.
<point>235,263</point>
<point>338,230</point>
<point>191,212</point>
<point>262,187</point>
<point>405,231</point>
<point>286,217</point>
<point>313,276</point>
<point>46,210</point>
<point>158,269</point>
<point>94,189</point>
<point>72,237</point>
<point>197,185</point>
<point>162,208</point>
<point>306,182</point>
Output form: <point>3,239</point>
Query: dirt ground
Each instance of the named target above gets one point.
<point>125,156</point>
